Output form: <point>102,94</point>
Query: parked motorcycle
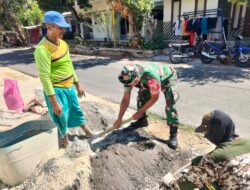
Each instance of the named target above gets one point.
<point>184,50</point>
<point>239,52</point>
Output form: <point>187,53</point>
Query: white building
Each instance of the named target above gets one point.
<point>238,15</point>
<point>167,12</point>
<point>123,29</point>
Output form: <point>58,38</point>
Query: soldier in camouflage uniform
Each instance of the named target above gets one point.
<point>150,78</point>
<point>227,167</point>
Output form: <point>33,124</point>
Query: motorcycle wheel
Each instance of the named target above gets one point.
<point>204,59</point>
<point>175,60</point>
<point>243,60</point>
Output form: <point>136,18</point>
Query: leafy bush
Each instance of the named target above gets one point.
<point>157,42</point>
<point>33,15</point>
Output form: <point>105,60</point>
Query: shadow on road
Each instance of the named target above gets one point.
<point>93,61</point>
<point>194,74</point>
<point>202,75</point>
<point>16,57</point>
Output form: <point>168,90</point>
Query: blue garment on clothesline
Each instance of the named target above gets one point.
<point>204,29</point>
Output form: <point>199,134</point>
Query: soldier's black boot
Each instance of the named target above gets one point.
<point>142,122</point>
<point>173,143</point>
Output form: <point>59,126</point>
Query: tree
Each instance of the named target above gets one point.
<point>15,13</point>
<point>66,5</point>
<point>32,16</point>
<point>9,10</point>
<point>151,25</point>
<point>138,9</point>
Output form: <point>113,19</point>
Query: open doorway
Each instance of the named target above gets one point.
<point>124,23</point>
<point>158,11</point>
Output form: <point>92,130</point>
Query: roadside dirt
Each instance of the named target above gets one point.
<point>128,158</point>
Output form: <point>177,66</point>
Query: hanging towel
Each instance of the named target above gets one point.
<point>177,28</point>
<point>184,28</point>
<point>198,26</point>
<point>204,29</point>
<point>189,25</point>
<point>192,38</point>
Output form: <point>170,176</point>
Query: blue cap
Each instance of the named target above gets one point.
<point>56,18</point>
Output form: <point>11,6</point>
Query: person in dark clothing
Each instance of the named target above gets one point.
<point>226,167</point>
<point>217,122</point>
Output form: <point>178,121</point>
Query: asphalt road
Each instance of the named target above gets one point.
<point>202,88</point>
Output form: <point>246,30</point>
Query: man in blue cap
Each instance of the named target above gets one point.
<point>57,76</point>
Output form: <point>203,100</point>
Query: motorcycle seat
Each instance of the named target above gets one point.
<point>219,45</point>
<point>178,45</point>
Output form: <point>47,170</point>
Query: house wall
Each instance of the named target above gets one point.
<point>98,6</point>
<point>212,4</point>
<point>98,33</point>
<point>101,5</point>
<point>167,11</point>
<point>187,6</point>
<point>235,18</point>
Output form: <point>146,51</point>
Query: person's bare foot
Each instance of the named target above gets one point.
<point>87,131</point>
<point>64,142</point>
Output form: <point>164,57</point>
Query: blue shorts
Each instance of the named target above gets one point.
<point>72,114</point>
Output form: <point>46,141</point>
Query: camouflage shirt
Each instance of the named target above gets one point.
<point>154,76</point>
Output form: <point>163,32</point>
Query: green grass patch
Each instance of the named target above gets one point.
<point>187,128</point>
<point>160,119</point>
<point>155,117</point>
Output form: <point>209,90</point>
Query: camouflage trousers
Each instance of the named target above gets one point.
<point>171,96</point>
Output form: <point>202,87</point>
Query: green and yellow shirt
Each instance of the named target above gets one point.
<point>54,65</point>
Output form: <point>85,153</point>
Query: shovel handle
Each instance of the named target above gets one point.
<point>127,121</point>
<point>112,128</point>
<point>182,168</point>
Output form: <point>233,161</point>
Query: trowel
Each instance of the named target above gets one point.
<point>109,129</point>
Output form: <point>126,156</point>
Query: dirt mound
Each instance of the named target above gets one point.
<point>140,165</point>
<point>128,158</point>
